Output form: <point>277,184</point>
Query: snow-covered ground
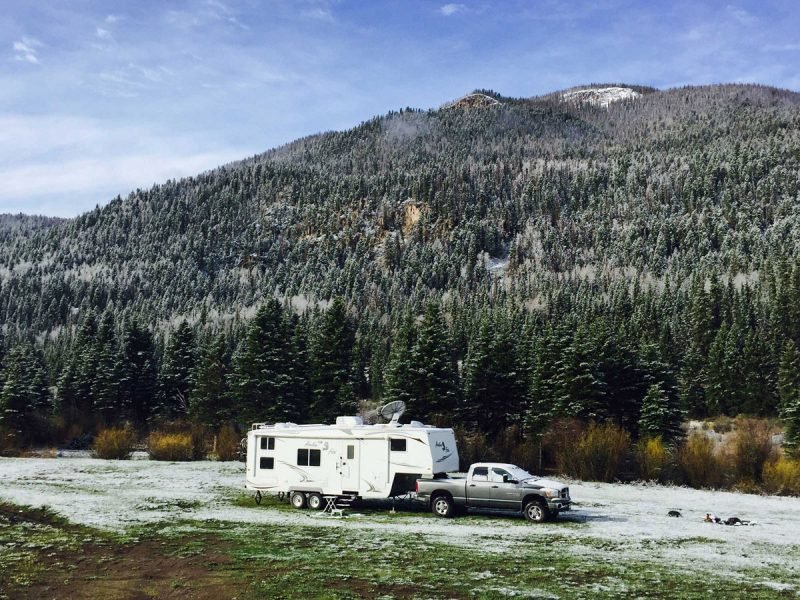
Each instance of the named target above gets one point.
<point>610,521</point>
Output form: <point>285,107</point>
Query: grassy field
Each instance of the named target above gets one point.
<point>221,545</point>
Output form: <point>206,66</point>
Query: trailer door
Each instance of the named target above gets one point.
<point>349,465</point>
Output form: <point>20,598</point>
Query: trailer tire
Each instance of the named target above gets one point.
<point>258,497</point>
<point>314,501</point>
<point>443,506</point>
<point>536,511</point>
<point>298,499</point>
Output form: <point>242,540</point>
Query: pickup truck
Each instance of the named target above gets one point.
<point>495,486</point>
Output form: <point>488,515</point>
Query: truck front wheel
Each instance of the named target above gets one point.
<point>536,512</point>
<point>298,499</point>
<point>443,506</point>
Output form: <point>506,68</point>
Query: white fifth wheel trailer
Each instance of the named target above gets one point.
<point>348,459</point>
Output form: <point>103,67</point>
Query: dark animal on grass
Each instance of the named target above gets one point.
<point>674,513</point>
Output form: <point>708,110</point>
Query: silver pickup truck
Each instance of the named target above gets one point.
<point>495,486</point>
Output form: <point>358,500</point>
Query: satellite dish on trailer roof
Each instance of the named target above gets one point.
<point>392,411</point>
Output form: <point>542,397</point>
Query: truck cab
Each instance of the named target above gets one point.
<point>496,486</point>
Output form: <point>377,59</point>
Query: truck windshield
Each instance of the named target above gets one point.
<point>519,474</point>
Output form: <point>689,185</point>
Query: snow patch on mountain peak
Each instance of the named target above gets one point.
<point>474,100</point>
<point>600,96</point>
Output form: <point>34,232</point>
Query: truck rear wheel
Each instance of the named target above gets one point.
<point>536,511</point>
<point>298,499</point>
<point>314,501</point>
<point>443,506</point>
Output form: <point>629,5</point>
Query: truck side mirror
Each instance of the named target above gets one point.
<point>506,478</point>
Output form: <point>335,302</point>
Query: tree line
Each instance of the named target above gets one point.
<point>506,368</point>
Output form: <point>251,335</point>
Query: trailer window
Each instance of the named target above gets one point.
<point>397,445</point>
<point>308,458</point>
<point>267,462</point>
<point>351,452</point>
<point>268,443</point>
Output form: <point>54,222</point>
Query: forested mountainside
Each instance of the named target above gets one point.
<point>569,256</point>
<point>13,228</point>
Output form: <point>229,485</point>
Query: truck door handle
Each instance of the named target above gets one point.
<point>471,485</point>
<point>494,487</point>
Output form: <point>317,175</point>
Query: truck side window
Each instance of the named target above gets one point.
<point>480,474</point>
<point>266,462</point>
<point>497,474</point>
<point>397,445</point>
<point>268,443</point>
<point>308,458</point>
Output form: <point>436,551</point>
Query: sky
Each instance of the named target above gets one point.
<point>99,98</point>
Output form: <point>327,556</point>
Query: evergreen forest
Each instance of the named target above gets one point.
<point>492,265</point>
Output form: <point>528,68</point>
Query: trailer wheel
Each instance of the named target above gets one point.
<point>536,512</point>
<point>443,506</point>
<point>314,501</point>
<point>258,497</point>
<point>298,499</point>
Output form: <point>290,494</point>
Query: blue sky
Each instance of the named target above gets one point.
<point>99,98</point>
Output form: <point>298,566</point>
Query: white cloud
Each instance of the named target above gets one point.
<point>111,19</point>
<point>782,47</point>
<point>103,34</point>
<point>741,15</point>
<point>319,13</point>
<point>27,49</point>
<point>451,9</point>
<point>62,165</point>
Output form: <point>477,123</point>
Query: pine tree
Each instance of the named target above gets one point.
<point>262,382</point>
<point>138,373</point>
<point>660,416</point>
<point>210,403</point>
<point>24,395</point>
<point>788,375</point>
<point>542,405</point>
<point>176,377</point>
<point>105,387</point>
<point>399,378</point>
<point>790,415</point>
<point>331,355</point>
<point>434,372</point>
<point>580,387</point>
<point>718,374</point>
<point>76,400</point>
<point>494,388</point>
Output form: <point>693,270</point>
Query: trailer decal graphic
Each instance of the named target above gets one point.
<point>303,475</point>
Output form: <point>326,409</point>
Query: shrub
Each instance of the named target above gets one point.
<point>200,441</point>
<point>698,463</point>
<point>652,459</point>
<point>723,424</point>
<point>782,476</point>
<point>115,443</point>
<point>601,452</point>
<point>8,443</point>
<point>227,447</point>
<point>170,446</point>
<point>748,448</point>
<point>560,445</point>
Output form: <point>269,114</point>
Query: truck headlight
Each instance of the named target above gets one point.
<point>551,493</point>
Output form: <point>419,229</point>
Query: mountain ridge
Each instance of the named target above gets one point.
<point>357,173</point>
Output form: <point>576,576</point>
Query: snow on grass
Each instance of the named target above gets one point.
<point>610,522</point>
